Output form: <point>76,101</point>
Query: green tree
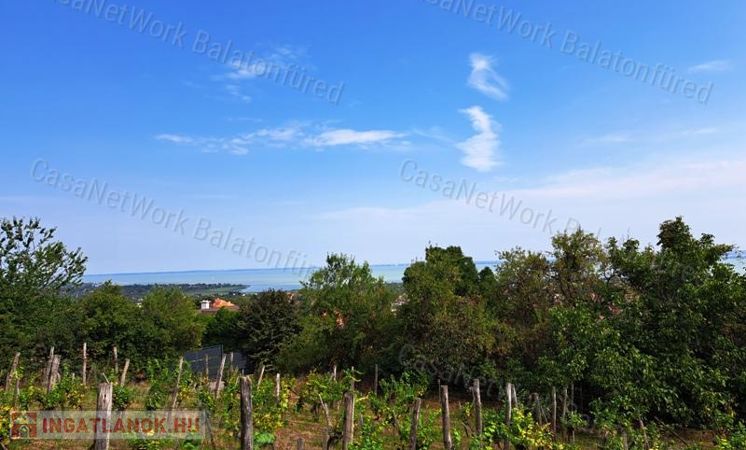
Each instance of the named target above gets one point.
<point>33,264</point>
<point>347,318</point>
<point>444,320</point>
<point>106,318</point>
<point>222,329</point>
<point>265,324</point>
<point>169,323</point>
<point>521,302</point>
<point>35,272</point>
<point>682,314</point>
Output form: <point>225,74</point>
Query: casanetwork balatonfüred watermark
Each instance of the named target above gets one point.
<point>116,425</point>
<point>570,42</point>
<point>144,21</point>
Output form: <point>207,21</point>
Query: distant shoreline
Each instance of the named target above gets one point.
<point>258,269</point>
<point>256,280</point>
<point>252,280</point>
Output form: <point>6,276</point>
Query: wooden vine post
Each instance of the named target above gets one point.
<point>537,408</point>
<point>349,422</point>
<point>328,428</point>
<point>477,408</point>
<point>12,373</point>
<point>446,415</point>
<point>84,370</point>
<point>103,414</point>
<point>123,377</point>
<point>247,424</point>
<point>564,411</point>
<point>554,410</point>
<point>277,388</point>
<point>219,382</point>
<point>375,381</point>
<point>415,423</point>
<point>54,373</point>
<point>508,411</point>
<point>515,395</point>
<point>175,398</point>
<point>48,368</point>
<point>116,361</point>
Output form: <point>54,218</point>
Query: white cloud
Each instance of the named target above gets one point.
<point>281,134</point>
<point>175,138</point>
<point>718,65</point>
<point>297,134</point>
<point>235,91</point>
<point>267,64</point>
<point>609,138</point>
<point>644,181</point>
<point>480,150</point>
<point>650,136</point>
<point>484,78</point>
<point>346,136</point>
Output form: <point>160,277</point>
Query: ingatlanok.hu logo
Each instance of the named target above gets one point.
<point>119,425</point>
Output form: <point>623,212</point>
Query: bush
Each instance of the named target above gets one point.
<point>123,397</point>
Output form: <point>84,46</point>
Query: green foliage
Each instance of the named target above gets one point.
<point>269,411</point>
<point>444,319</point>
<point>106,318</point>
<point>33,263</point>
<point>347,318</point>
<point>397,397</point>
<point>164,326</point>
<point>322,387</point>
<point>264,325</point>
<point>66,394</point>
<point>35,273</point>
<point>735,440</point>
<point>222,329</point>
<point>369,431</point>
<point>264,439</point>
<point>228,411</point>
<point>428,431</point>
<point>524,432</point>
<point>169,324</point>
<point>123,397</point>
<point>627,437</point>
<point>162,376</point>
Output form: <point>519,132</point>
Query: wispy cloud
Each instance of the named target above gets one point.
<point>296,134</point>
<point>644,180</point>
<point>345,136</point>
<point>649,137</point>
<point>609,201</point>
<point>175,138</point>
<point>235,91</point>
<point>254,65</point>
<point>236,145</point>
<point>480,150</point>
<point>609,138</point>
<point>484,78</point>
<point>717,65</point>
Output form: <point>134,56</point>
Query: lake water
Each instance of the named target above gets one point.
<point>260,279</point>
<point>255,279</point>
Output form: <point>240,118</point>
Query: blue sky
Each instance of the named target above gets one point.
<point>558,137</point>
